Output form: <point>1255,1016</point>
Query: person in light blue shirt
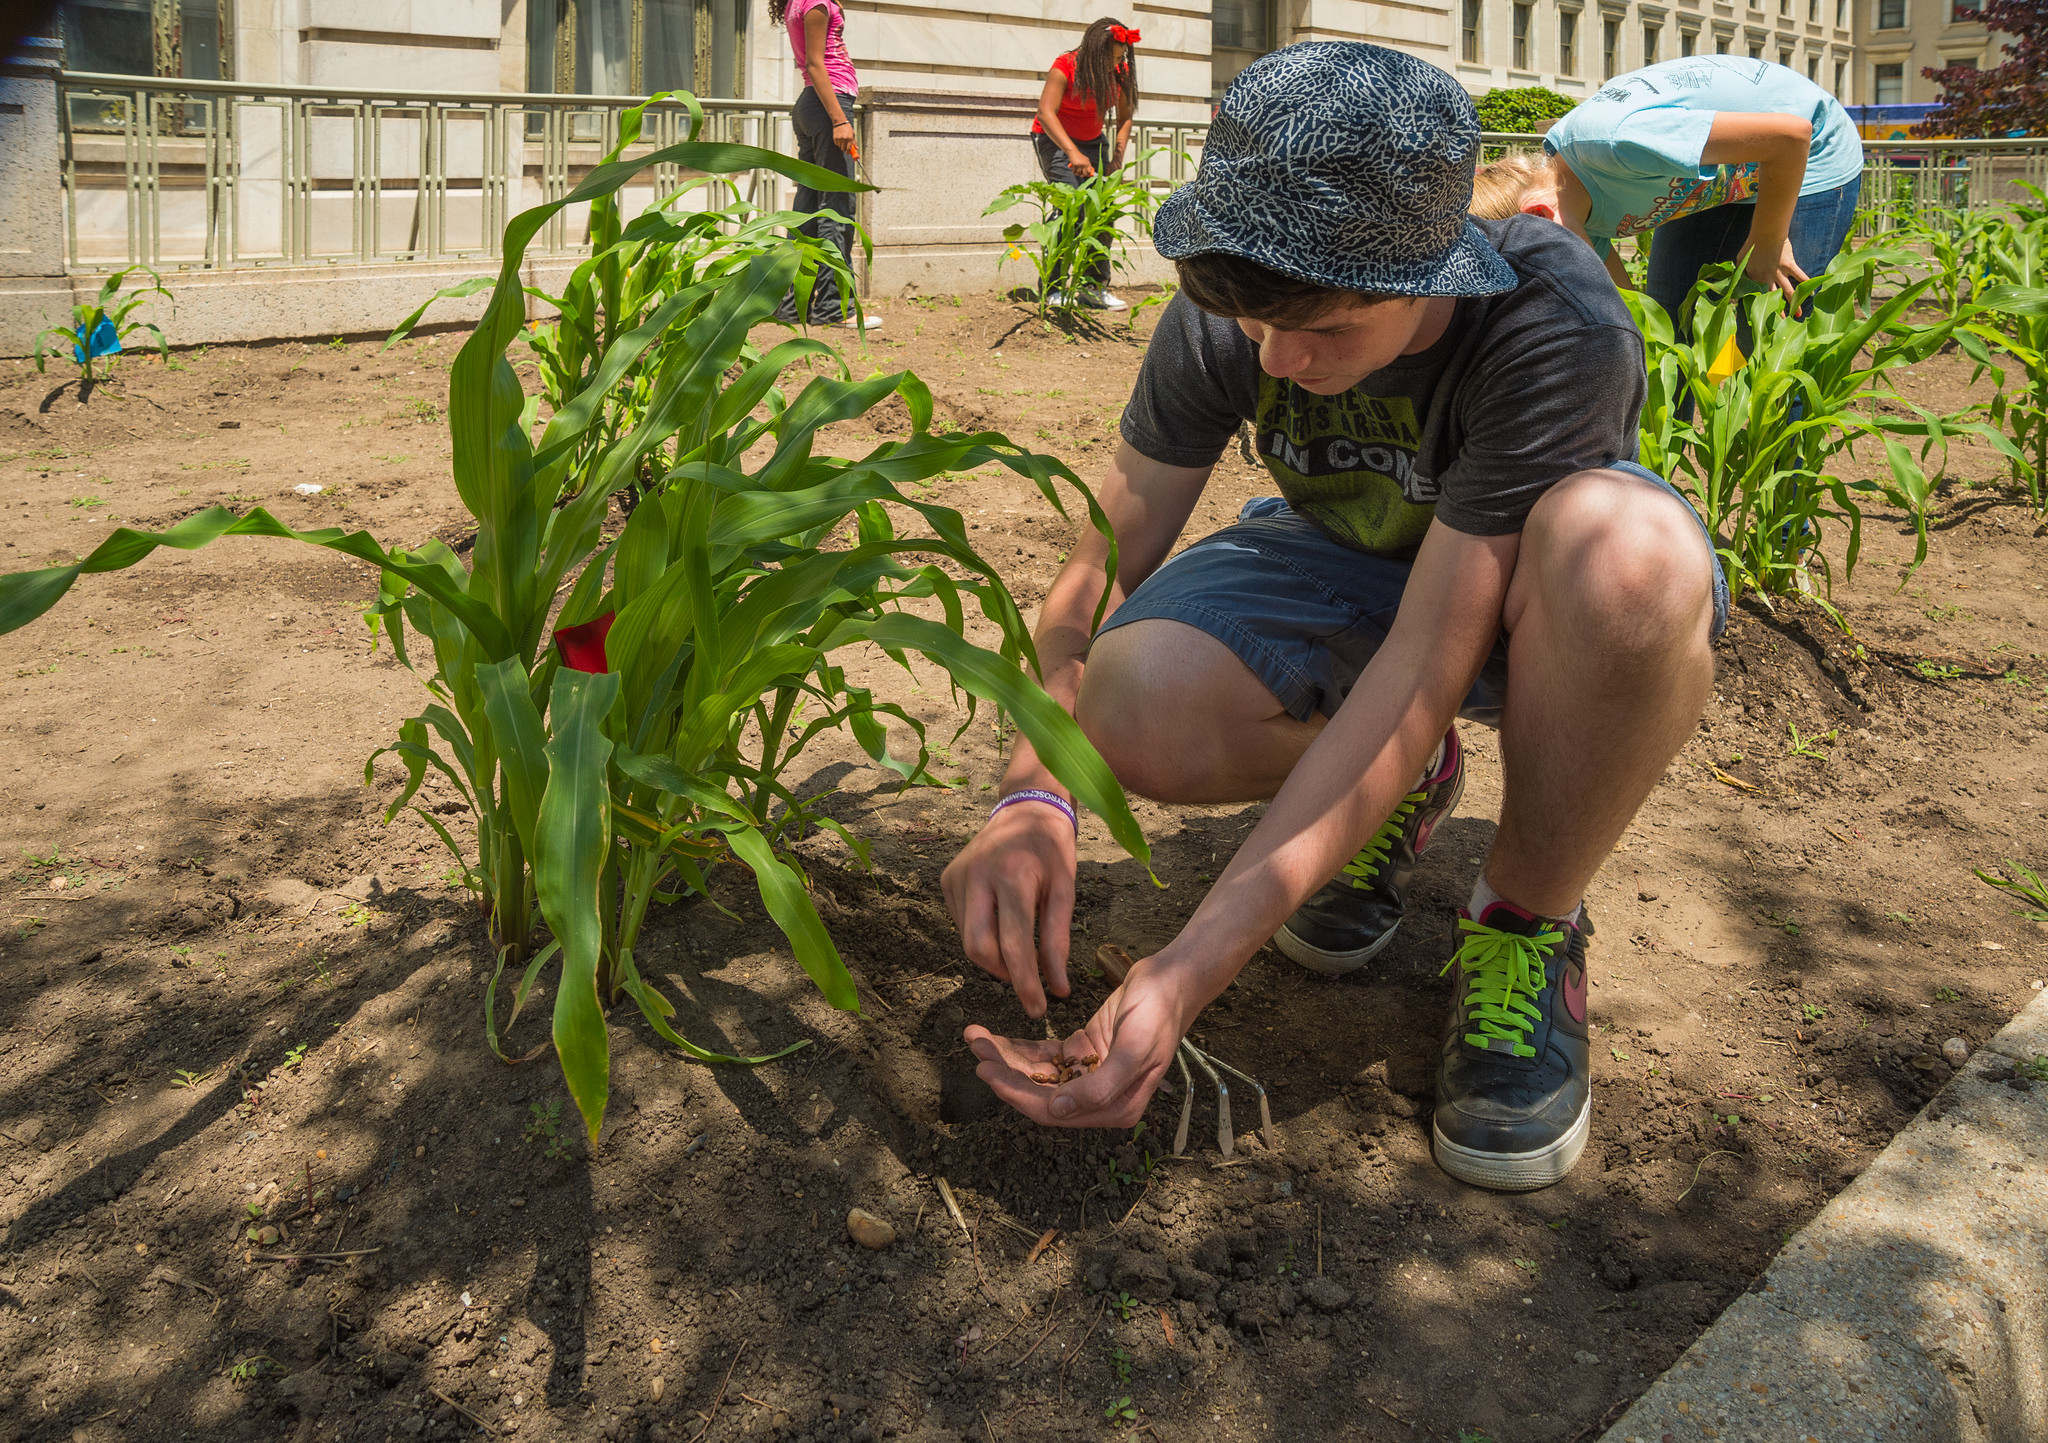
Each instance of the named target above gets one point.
<point>1720,155</point>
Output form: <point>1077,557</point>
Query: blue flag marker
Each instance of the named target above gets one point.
<point>105,341</point>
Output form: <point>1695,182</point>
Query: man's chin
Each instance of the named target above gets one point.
<point>1324,386</point>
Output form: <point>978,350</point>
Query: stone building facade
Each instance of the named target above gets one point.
<point>1897,39</point>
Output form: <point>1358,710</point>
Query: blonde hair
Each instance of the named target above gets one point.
<point>1498,188</point>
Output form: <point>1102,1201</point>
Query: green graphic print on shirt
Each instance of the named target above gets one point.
<point>1347,463</point>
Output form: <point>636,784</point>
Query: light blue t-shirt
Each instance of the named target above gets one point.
<point>1636,143</point>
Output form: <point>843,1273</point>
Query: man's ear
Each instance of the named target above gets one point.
<point>1543,203</point>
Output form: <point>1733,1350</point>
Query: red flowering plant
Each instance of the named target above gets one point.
<point>617,749</point>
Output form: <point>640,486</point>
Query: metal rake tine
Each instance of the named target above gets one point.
<point>1187,1101</point>
<point>1226,1139</point>
<point>1265,1111</point>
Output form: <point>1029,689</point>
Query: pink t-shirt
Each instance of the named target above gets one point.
<point>838,64</point>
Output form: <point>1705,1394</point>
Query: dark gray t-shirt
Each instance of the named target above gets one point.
<point>1522,390</point>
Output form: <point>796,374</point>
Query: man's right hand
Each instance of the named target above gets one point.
<point>1082,165</point>
<point>1011,892</point>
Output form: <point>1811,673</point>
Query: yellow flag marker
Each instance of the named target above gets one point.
<point>1727,363</point>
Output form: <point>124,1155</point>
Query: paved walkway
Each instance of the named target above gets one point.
<point>1915,1307</point>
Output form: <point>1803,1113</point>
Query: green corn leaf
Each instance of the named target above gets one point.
<point>574,824</point>
<point>1055,736</point>
<point>26,595</point>
<point>789,903</point>
<point>521,742</point>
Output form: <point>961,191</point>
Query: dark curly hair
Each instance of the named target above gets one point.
<point>1096,73</point>
<point>1238,288</point>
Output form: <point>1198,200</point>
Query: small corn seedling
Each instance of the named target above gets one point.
<point>2023,884</point>
<point>1756,451</point>
<point>103,328</point>
<point>613,753</point>
<point>1078,227</point>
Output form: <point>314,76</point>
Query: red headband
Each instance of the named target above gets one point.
<point>1127,37</point>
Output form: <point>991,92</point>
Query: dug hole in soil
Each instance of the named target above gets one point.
<point>266,1180</point>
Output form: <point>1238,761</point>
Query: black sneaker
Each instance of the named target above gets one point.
<point>1515,1093</point>
<point>1340,928</point>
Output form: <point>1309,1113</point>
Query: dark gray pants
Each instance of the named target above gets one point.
<point>1053,164</point>
<point>814,146</point>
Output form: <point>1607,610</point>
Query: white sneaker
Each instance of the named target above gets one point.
<point>863,322</point>
<point>1103,299</point>
<point>1058,300</point>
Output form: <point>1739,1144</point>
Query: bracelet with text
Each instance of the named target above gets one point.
<point>1034,794</point>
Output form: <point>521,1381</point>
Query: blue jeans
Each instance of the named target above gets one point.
<point>1684,247</point>
<point>1306,614</point>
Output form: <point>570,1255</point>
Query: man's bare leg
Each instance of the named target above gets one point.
<point>1609,668</point>
<point>1180,719</point>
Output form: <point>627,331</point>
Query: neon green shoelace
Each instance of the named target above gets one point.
<point>1362,868</point>
<point>1504,973</point>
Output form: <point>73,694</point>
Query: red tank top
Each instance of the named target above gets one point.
<point>1079,115</point>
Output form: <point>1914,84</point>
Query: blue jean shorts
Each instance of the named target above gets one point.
<point>1306,614</point>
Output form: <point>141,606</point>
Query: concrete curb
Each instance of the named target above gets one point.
<point>1915,1307</point>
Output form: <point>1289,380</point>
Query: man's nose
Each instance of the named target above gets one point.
<point>1282,356</point>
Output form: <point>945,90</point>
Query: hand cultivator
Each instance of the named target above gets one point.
<point>1117,963</point>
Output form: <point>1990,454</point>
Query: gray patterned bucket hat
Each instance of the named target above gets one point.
<point>1346,165</point>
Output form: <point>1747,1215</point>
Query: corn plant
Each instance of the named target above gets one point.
<point>2011,320</point>
<point>1755,451</point>
<point>615,751</point>
<point>103,328</point>
<point>635,268</point>
<point>1078,227</point>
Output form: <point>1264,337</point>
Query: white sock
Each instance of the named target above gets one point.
<point>1483,896</point>
<point>1436,759</point>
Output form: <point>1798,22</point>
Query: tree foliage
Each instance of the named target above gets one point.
<point>1519,109</point>
<point>2008,98</point>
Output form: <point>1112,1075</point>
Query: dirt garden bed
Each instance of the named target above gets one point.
<point>232,1002</point>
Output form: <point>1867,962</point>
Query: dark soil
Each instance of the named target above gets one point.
<point>267,1180</point>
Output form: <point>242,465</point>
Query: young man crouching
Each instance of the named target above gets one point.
<point>1448,410</point>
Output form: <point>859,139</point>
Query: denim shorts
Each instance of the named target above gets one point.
<point>1306,614</point>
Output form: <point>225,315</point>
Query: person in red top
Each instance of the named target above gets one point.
<point>1069,134</point>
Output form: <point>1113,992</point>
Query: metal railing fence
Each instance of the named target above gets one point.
<point>212,175</point>
<point>221,175</point>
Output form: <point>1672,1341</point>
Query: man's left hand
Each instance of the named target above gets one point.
<point>1774,267</point>
<point>1134,1034</point>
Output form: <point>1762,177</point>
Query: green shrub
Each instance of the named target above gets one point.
<point>1519,109</point>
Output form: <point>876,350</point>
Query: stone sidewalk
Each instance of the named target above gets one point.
<point>1915,1307</point>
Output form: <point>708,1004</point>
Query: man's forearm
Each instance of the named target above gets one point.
<point>1777,194</point>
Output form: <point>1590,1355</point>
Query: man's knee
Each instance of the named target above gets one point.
<point>1152,691</point>
<point>1621,554</point>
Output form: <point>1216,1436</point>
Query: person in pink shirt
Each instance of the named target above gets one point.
<point>824,137</point>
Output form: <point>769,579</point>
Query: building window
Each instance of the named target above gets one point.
<point>1841,73</point>
<point>1522,36</point>
<point>184,39</point>
<point>636,47</point>
<point>1813,12</point>
<point>1651,35</point>
<point>1240,31</point>
<point>1813,68</point>
<point>1687,39</point>
<point>1756,50</point>
<point>1841,14</point>
<point>1568,42</point>
<point>1891,84</point>
<point>1610,49</point>
<point>1891,14</point>
<point>1785,7</point>
<point>1468,32</point>
<point>1720,45</point>
<point>1785,58</point>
